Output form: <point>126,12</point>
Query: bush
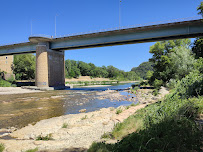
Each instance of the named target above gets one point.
<point>157,84</point>
<point>2,147</point>
<point>4,83</point>
<point>32,150</point>
<point>47,137</point>
<point>118,111</point>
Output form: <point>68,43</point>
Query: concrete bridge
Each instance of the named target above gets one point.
<point>50,51</point>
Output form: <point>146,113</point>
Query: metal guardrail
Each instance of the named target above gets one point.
<point>134,26</point>
<point>113,29</point>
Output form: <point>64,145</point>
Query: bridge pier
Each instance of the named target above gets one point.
<point>50,67</point>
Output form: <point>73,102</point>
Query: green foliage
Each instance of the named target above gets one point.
<point>118,111</point>
<point>106,135</point>
<point>2,147</point>
<point>157,84</point>
<point>142,69</point>
<point>46,138</point>
<point>65,125</point>
<point>149,74</point>
<point>24,66</point>
<point>74,69</point>
<point>172,60</point>
<point>4,83</point>
<point>32,150</point>
<point>197,47</point>
<point>168,125</point>
<point>85,117</point>
<point>200,9</point>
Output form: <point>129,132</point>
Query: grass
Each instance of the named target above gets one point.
<point>32,150</point>
<point>65,125</point>
<point>85,117</point>
<point>106,136</point>
<point>46,138</point>
<point>2,147</point>
<point>118,111</point>
<point>162,126</point>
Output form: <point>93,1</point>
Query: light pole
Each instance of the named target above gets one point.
<point>55,24</point>
<point>31,26</point>
<point>119,14</point>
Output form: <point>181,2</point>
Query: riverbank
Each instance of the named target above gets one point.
<point>69,131</point>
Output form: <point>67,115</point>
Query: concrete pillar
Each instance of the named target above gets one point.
<point>50,67</point>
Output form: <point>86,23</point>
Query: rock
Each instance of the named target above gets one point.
<point>82,110</point>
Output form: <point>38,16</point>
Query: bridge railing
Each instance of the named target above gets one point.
<point>113,29</point>
<point>134,26</point>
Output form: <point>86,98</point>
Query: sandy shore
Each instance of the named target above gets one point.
<point>15,90</point>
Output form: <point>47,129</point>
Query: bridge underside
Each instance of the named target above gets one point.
<point>50,56</point>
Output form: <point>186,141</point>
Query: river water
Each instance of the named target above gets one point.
<point>19,110</point>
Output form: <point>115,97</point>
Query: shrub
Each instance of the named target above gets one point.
<point>65,125</point>
<point>47,137</point>
<point>157,84</point>
<point>32,150</point>
<point>2,147</point>
<point>106,135</point>
<point>118,111</point>
<point>85,117</point>
<point>4,83</point>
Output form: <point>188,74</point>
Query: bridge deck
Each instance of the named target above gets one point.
<point>177,30</point>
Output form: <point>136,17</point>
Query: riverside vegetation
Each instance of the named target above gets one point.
<point>173,123</point>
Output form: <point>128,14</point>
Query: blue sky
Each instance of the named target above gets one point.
<point>75,16</point>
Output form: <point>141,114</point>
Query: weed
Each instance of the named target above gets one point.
<point>2,147</point>
<point>127,107</point>
<point>32,150</point>
<point>47,137</point>
<point>118,111</point>
<point>85,117</point>
<point>65,125</point>
<point>106,136</point>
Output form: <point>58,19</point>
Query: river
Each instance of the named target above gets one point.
<point>19,110</point>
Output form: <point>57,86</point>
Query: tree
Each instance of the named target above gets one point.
<point>197,48</point>
<point>161,59</point>
<point>142,69</point>
<point>200,9</point>
<point>24,66</point>
<point>182,62</point>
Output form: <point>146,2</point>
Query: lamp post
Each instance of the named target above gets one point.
<point>55,24</point>
<point>31,26</point>
<point>119,14</point>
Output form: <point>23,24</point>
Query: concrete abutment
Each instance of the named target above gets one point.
<point>50,67</point>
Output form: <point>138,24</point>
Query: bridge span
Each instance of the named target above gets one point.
<point>50,51</point>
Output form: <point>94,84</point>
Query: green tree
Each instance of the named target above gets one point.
<point>24,66</point>
<point>149,75</point>
<point>182,62</point>
<point>197,48</point>
<point>142,69</point>
<point>200,9</point>
<point>161,59</point>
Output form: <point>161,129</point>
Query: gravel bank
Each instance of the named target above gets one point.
<point>82,129</point>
